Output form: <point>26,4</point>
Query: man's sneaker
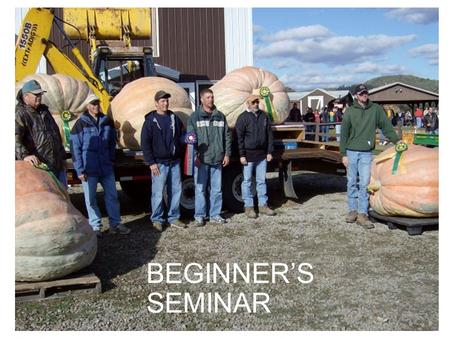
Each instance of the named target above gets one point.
<point>178,224</point>
<point>250,212</point>
<point>217,220</point>
<point>351,217</point>
<point>199,222</point>
<point>120,229</point>
<point>363,220</point>
<point>265,210</point>
<point>158,226</point>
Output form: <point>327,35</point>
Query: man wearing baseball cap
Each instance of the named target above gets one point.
<point>255,142</point>
<point>93,147</point>
<point>358,131</point>
<point>161,145</point>
<point>38,140</point>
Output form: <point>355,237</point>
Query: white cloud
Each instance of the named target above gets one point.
<point>333,49</point>
<point>307,81</point>
<point>428,51</point>
<point>375,68</point>
<point>303,32</point>
<point>415,15</point>
<point>257,29</point>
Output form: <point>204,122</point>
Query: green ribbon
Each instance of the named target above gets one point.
<point>66,116</point>
<point>45,167</point>
<point>264,92</point>
<point>399,149</point>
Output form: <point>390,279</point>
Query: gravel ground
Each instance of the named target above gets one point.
<point>377,279</point>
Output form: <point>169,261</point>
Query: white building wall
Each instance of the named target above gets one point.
<point>238,38</point>
<point>20,14</point>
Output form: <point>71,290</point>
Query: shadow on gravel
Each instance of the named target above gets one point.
<point>128,206</point>
<point>307,185</point>
<point>119,254</point>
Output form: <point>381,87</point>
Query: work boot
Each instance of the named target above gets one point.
<point>120,229</point>
<point>250,212</point>
<point>351,217</point>
<point>364,221</point>
<point>178,224</point>
<point>158,226</point>
<point>265,210</point>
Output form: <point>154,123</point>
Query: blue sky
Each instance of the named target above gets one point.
<point>328,47</point>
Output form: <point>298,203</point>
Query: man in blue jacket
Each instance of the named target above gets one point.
<point>161,144</point>
<point>93,143</point>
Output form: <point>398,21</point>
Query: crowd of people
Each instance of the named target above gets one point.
<point>331,116</point>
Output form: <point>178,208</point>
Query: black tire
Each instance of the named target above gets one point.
<point>187,201</point>
<point>137,190</point>
<point>231,188</point>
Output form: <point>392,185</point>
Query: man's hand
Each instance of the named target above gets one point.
<point>345,161</point>
<point>154,169</point>
<point>243,160</point>
<point>83,177</point>
<point>269,157</point>
<point>32,159</point>
<point>226,160</point>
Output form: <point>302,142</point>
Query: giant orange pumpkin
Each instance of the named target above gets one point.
<point>231,92</point>
<point>53,238</point>
<point>136,99</point>
<point>414,190</point>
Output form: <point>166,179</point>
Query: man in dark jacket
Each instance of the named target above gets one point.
<point>92,144</point>
<point>255,141</point>
<point>357,142</point>
<point>161,144</point>
<point>294,114</point>
<point>213,152</point>
<point>309,118</point>
<point>431,122</point>
<point>38,140</point>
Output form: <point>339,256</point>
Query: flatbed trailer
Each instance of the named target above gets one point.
<point>134,175</point>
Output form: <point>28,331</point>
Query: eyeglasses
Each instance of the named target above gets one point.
<point>363,93</point>
<point>255,102</point>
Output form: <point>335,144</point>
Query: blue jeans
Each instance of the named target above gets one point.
<point>202,174</point>
<point>170,175</point>
<point>324,130</point>
<point>338,132</point>
<point>359,165</point>
<point>261,187</point>
<point>108,183</point>
<point>62,177</point>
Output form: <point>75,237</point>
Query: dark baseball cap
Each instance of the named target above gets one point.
<point>33,87</point>
<point>360,88</point>
<point>161,94</point>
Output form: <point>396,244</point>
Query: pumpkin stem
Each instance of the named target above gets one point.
<point>373,186</point>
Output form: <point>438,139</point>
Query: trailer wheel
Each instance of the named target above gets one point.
<point>187,201</point>
<point>136,190</point>
<point>231,188</point>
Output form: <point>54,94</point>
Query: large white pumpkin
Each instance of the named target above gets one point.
<point>136,99</point>
<point>231,92</point>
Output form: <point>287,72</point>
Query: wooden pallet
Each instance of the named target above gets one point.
<point>75,284</point>
<point>414,225</point>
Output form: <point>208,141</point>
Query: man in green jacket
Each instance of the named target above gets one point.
<point>213,152</point>
<point>358,131</point>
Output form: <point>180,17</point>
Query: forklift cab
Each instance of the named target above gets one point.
<point>117,66</point>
